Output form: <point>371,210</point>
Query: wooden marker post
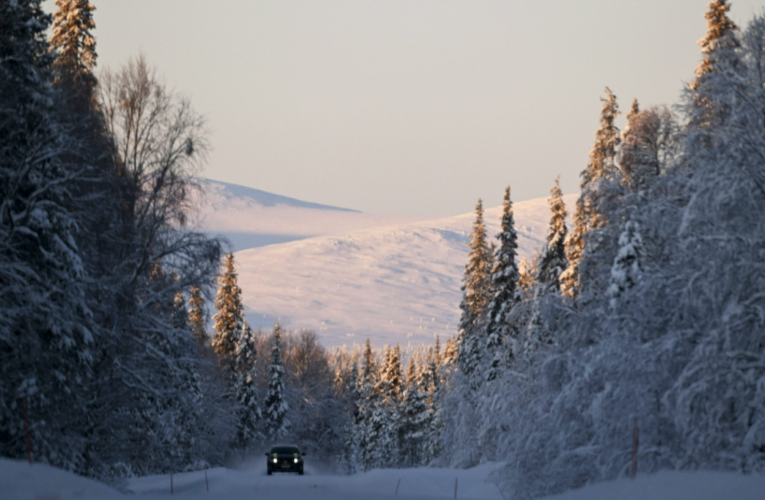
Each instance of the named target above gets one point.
<point>635,444</point>
<point>26,431</point>
<point>206,483</point>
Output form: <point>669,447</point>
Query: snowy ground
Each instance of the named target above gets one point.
<point>19,481</point>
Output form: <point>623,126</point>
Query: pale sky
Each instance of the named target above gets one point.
<point>408,106</point>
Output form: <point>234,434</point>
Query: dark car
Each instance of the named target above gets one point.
<point>285,458</point>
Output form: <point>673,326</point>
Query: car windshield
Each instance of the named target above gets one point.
<point>285,450</point>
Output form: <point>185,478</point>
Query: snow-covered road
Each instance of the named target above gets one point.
<point>251,482</point>
<point>20,481</point>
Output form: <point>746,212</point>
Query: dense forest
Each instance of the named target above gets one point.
<point>646,315</point>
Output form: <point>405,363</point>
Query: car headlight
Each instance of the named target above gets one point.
<point>296,460</point>
<point>275,460</point>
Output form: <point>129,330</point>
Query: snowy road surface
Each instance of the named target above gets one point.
<point>19,481</point>
<point>252,483</point>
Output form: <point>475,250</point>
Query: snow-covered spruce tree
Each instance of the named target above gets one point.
<point>475,301</point>
<point>249,417</point>
<point>717,401</point>
<point>588,214</point>
<point>627,267</point>
<point>354,437</point>
<point>416,417</point>
<point>277,424</point>
<point>503,286</point>
<point>629,148</point>
<point>229,319</point>
<point>720,43</point>
<point>180,316</point>
<point>430,382</point>
<point>386,438</point>
<point>451,352</point>
<point>197,315</point>
<point>367,401</point>
<point>648,142</point>
<point>551,264</point>
<point>552,261</point>
<point>74,43</point>
<point>46,333</point>
<point>382,437</point>
<point>526,272</point>
<point>391,384</point>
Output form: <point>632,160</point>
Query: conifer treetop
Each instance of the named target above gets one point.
<point>72,38</point>
<point>477,271</point>
<point>627,155</point>
<point>503,286</point>
<point>719,25</point>
<point>197,315</point>
<point>607,138</point>
<point>552,261</point>
<point>229,318</point>
<point>275,405</point>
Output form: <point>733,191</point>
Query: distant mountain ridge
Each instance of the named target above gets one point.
<point>251,218</point>
<point>228,191</point>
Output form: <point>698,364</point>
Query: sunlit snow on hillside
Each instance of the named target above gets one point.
<point>351,275</point>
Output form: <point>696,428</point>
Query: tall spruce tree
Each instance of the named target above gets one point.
<point>627,266</point>
<point>73,41</point>
<point>391,383</point>
<point>629,149</point>
<point>197,315</point>
<point>503,288</point>
<point>367,401</point>
<point>475,300</point>
<point>552,261</point>
<point>229,319</point>
<point>588,215</point>
<point>354,437</point>
<point>416,416</point>
<point>277,424</point>
<point>180,317</point>
<point>248,411</point>
<point>46,332</point>
<point>717,46</point>
<point>430,381</point>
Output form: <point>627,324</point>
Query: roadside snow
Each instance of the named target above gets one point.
<point>671,485</point>
<point>20,481</point>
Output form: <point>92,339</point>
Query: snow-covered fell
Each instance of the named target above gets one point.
<point>395,283</point>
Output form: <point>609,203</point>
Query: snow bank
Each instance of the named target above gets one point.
<point>20,481</point>
<point>668,485</point>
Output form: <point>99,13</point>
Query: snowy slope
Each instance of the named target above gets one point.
<point>20,481</point>
<point>397,283</point>
<point>251,218</point>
